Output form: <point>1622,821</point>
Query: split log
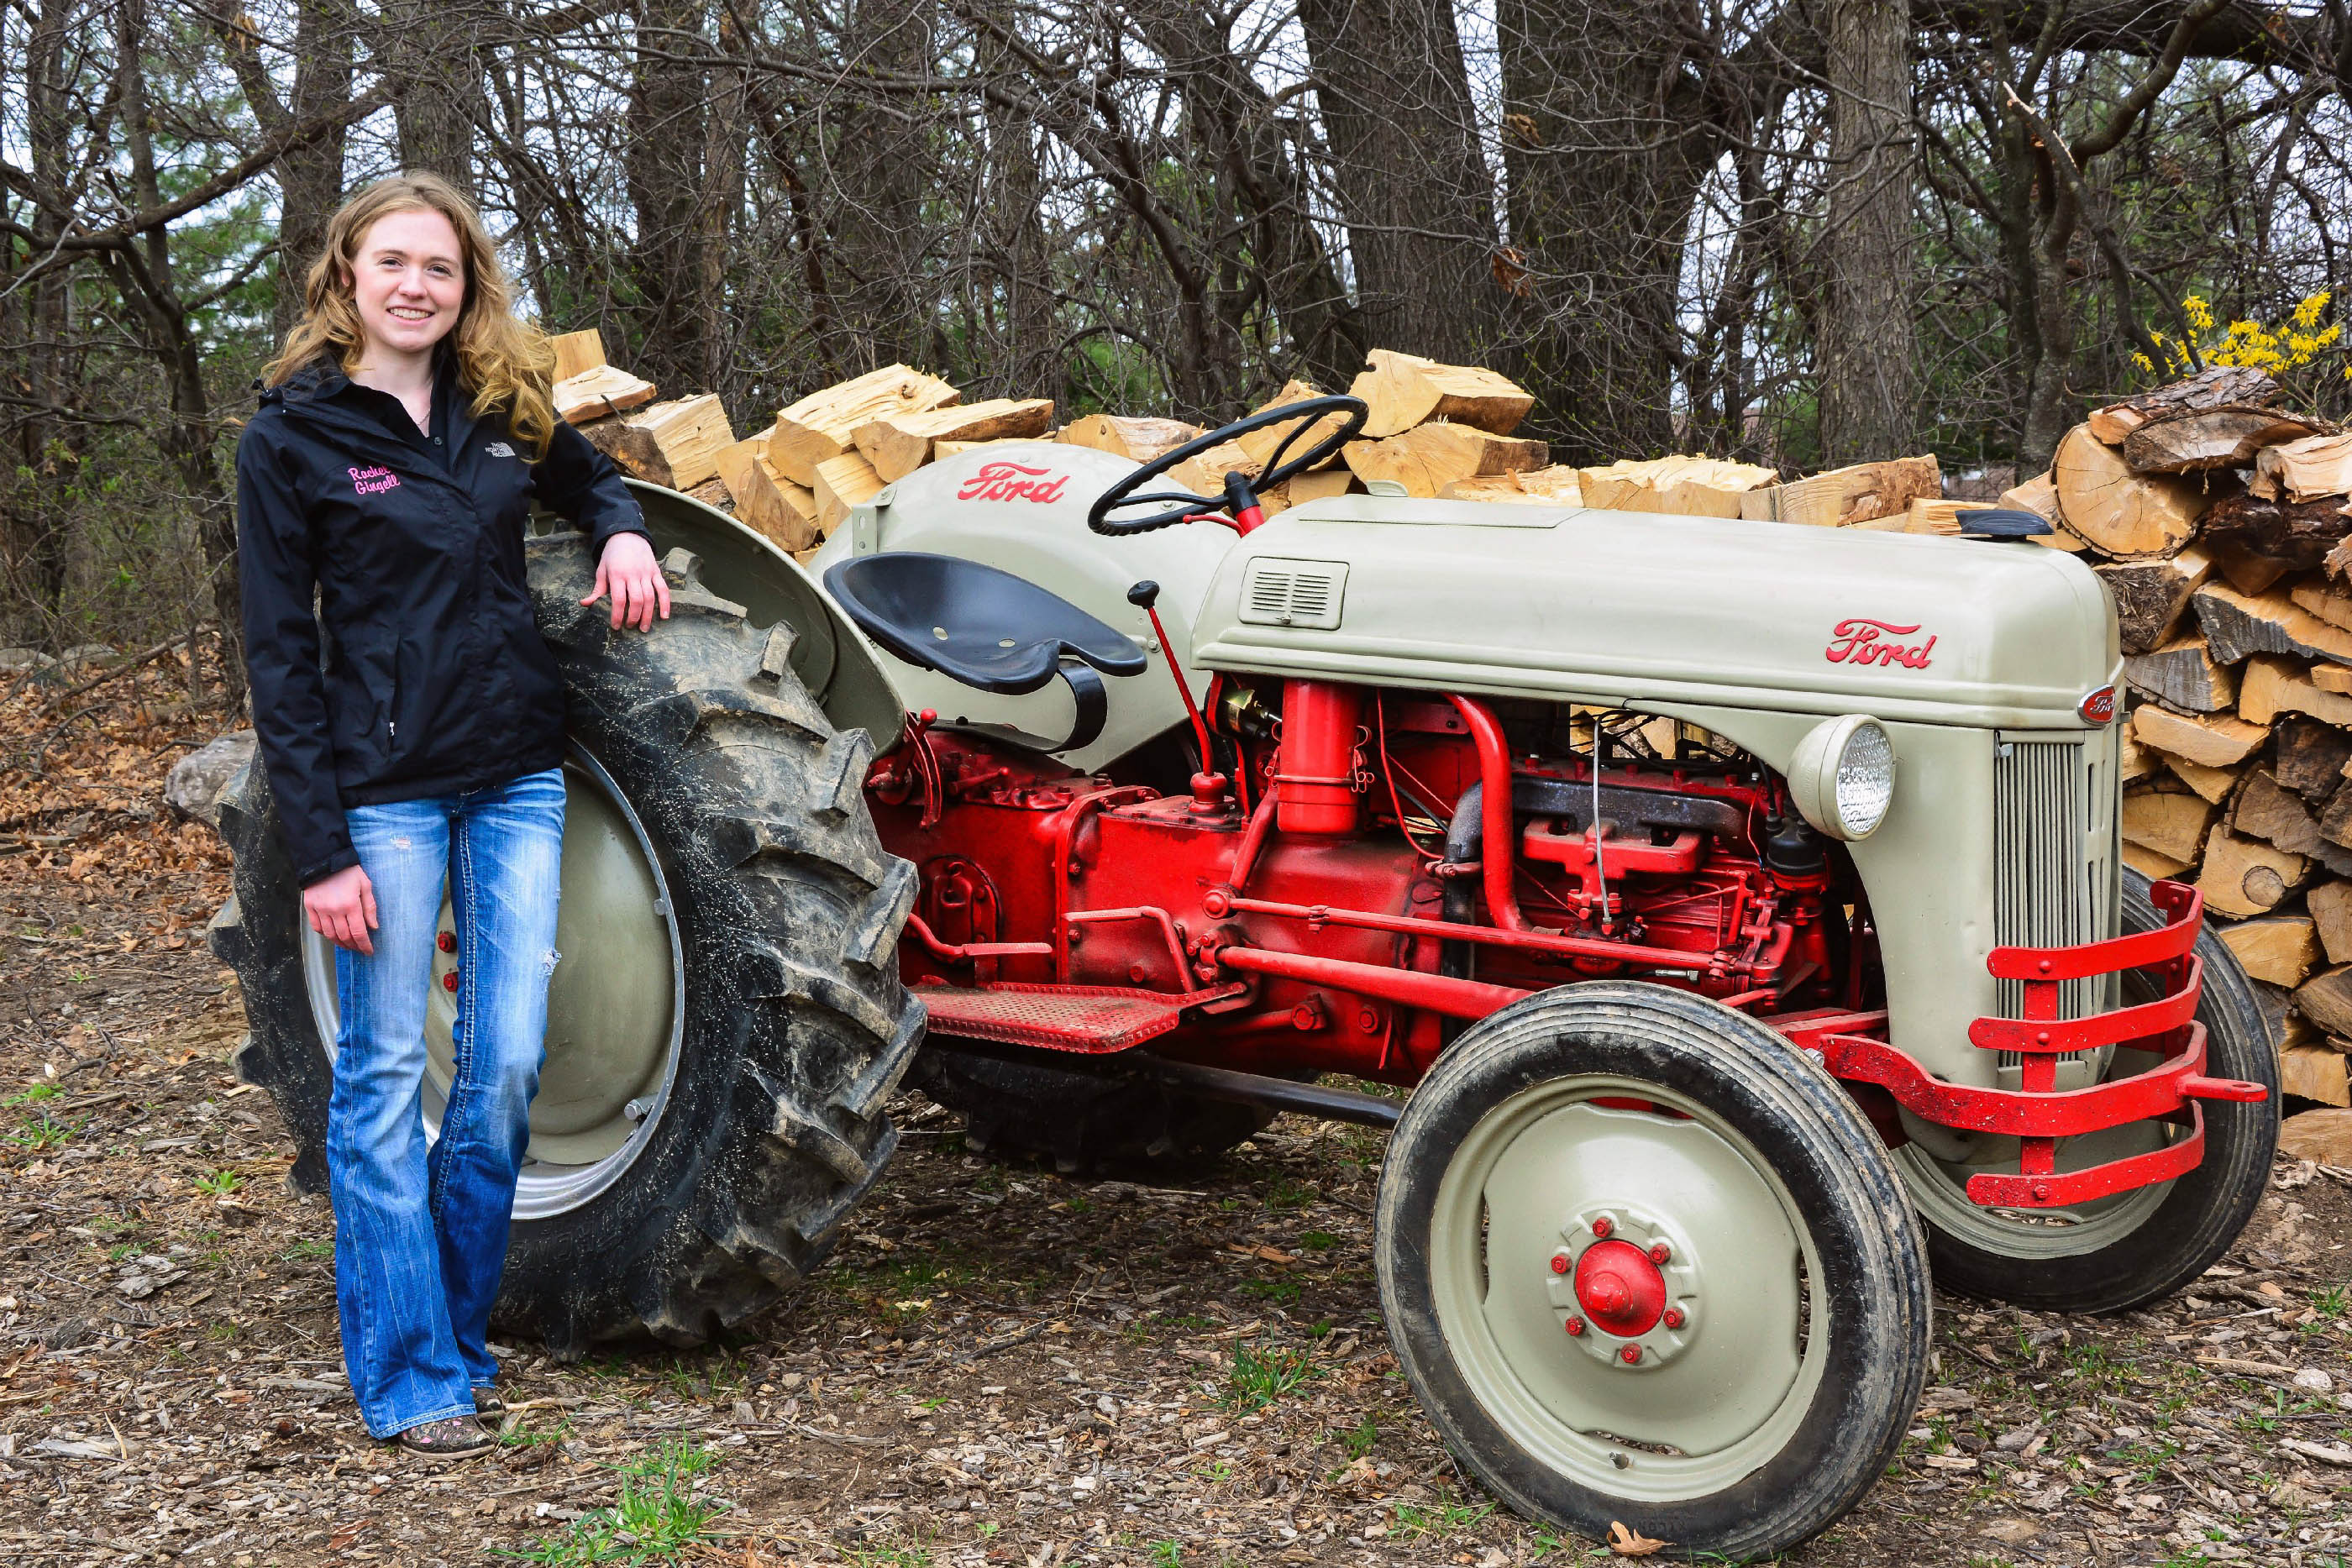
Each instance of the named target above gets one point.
<point>2244,876</point>
<point>712,493</point>
<point>2323,601</point>
<point>2184,674</point>
<point>843,481</point>
<point>2038,494</point>
<point>2326,999</point>
<point>2269,687</point>
<point>784,513</point>
<point>2316,1072</point>
<point>1261,443</point>
<point>634,452</point>
<point>2238,625</point>
<point>2217,386</point>
<point>2174,826</point>
<point>898,443</point>
<point>2213,784</point>
<point>596,394</point>
<point>943,450</point>
<point>577,353</point>
<point>2298,534</point>
<point>1428,457</point>
<point>2137,761</point>
<point>2244,569</point>
<point>1322,484</point>
<point>2277,817</point>
<point>2150,863</point>
<point>1842,497</point>
<point>2228,437</point>
<point>1683,486</point>
<point>1137,440</point>
<point>819,425</point>
<point>2309,756</point>
<point>2122,515</point>
<point>2331,912</point>
<point>1554,486</point>
<point>2336,817</point>
<point>2276,949</point>
<point>2150,595</point>
<point>2306,470</point>
<point>1928,514</point>
<point>691,433</point>
<point>2213,740</point>
<point>1404,390</point>
<point>2336,678</point>
<point>2286,1026</point>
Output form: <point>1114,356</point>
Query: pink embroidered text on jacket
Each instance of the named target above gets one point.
<point>368,481</point>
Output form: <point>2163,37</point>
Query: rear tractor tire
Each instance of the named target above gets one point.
<point>2133,1247</point>
<point>726,1022</point>
<point>1642,1262</point>
<point>1081,1122</point>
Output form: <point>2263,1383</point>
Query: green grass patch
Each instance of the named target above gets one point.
<point>219,1183</point>
<point>45,1132</point>
<point>1282,1292</point>
<point>1318,1241</point>
<point>1437,1520</point>
<point>31,1094</point>
<point>1263,1373</point>
<point>656,1519</point>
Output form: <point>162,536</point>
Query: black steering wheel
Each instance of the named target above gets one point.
<point>1239,493</point>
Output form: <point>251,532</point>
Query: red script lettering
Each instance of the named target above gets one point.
<point>1860,642</point>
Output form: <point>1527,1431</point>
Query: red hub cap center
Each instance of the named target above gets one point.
<point>1620,1288</point>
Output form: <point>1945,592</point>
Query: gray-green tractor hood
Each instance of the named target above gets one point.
<point>1634,609</point>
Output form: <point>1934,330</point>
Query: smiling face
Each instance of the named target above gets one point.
<point>408,281</point>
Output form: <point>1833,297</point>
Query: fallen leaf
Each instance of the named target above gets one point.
<point>1627,1543</point>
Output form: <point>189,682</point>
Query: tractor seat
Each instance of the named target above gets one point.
<point>985,628</point>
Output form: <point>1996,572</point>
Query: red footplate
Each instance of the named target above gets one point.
<point>2037,1113</point>
<point>1091,1019</point>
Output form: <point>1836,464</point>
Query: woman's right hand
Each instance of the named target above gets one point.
<point>342,908</point>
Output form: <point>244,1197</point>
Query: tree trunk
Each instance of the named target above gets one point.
<point>1866,354</point>
<point>48,442</point>
<point>310,175</point>
<point>1607,136</point>
<point>1412,182</point>
<point>673,322</point>
<point>433,49</point>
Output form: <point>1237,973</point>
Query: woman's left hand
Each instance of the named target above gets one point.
<point>628,572</point>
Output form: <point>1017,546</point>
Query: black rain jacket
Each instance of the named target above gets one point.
<point>433,679</point>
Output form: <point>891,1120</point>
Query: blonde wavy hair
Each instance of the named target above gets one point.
<point>508,363</point>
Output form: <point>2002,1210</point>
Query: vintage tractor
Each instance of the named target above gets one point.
<point>1740,901</point>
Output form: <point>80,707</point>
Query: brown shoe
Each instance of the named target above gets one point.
<point>453,1437</point>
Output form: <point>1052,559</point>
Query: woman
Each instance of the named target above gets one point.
<point>405,431</point>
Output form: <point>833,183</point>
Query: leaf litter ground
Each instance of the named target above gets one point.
<point>999,1366</point>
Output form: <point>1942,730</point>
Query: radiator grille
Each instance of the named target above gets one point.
<point>1304,593</point>
<point>2054,856</point>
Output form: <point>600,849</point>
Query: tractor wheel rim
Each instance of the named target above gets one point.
<point>615,1017</point>
<point>1722,1378</point>
<point>1939,1187</point>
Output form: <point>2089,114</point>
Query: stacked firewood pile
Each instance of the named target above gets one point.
<point>2218,520</point>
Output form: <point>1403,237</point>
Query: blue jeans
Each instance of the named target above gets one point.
<point>421,1237</point>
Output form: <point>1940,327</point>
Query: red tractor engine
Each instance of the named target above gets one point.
<point>1350,835</point>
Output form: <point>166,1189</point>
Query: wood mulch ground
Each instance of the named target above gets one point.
<point>999,1366</point>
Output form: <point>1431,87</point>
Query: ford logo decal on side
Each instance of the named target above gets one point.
<point>2099,707</point>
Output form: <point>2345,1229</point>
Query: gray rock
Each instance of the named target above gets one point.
<point>200,779</point>
<point>85,654</point>
<point>16,660</point>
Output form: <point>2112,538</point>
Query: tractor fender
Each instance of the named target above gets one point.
<point>833,659</point>
<point>1022,507</point>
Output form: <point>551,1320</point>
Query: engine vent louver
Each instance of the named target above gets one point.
<point>1302,594</point>
<point>2056,858</point>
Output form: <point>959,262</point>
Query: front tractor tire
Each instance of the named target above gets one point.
<point>726,1019</point>
<point>2135,1247</point>
<point>1641,1262</point>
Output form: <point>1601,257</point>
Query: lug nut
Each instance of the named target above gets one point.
<point>1675,1318</point>
<point>1603,1226</point>
<point>1575,1327</point>
<point>1559,1263</point>
<point>1661,1252</point>
<point>448,941</point>
<point>1630,1355</point>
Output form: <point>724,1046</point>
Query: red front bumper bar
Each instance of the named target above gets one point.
<point>2036,1114</point>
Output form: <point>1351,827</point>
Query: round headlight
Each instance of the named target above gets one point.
<point>1842,775</point>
